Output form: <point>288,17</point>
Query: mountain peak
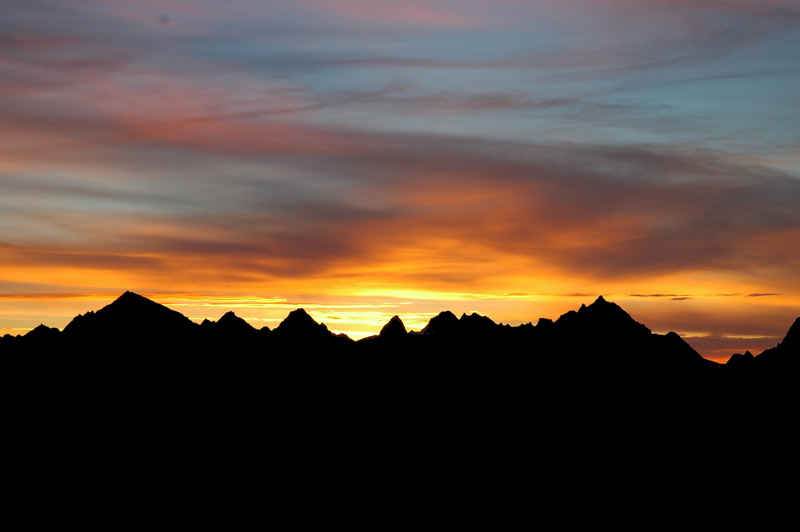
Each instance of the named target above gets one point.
<point>231,321</point>
<point>229,316</point>
<point>394,328</point>
<point>604,306</point>
<point>603,316</point>
<point>299,321</point>
<point>443,323</point>
<point>132,314</point>
<point>133,302</point>
<point>131,298</point>
<point>300,315</point>
<point>42,331</point>
<point>475,323</point>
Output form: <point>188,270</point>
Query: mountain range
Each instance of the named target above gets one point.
<point>600,338</point>
<point>587,395</point>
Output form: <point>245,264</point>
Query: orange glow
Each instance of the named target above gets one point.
<point>762,318</point>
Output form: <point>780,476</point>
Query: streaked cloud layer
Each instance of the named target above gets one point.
<point>376,158</point>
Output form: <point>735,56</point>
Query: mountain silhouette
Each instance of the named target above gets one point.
<point>300,332</point>
<point>740,360</point>
<point>229,325</point>
<point>393,329</point>
<point>229,335</point>
<point>444,323</point>
<point>129,312</point>
<point>784,358</point>
<point>42,333</point>
<point>585,394</point>
<point>599,346</point>
<point>131,324</point>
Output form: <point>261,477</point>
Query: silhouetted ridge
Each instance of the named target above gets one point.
<point>41,331</point>
<point>42,334</point>
<point>792,339</point>
<point>672,350</point>
<point>602,339</point>
<point>587,352</point>
<point>136,307</point>
<point>300,329</point>
<point>544,323</point>
<point>393,329</point>
<point>299,321</point>
<point>477,322</point>
<point>442,324</point>
<point>230,328</point>
<point>784,357</point>
<point>603,317</point>
<point>740,360</point>
<point>130,318</point>
<point>608,312</point>
<point>232,322</point>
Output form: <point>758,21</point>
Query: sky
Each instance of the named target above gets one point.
<point>364,159</point>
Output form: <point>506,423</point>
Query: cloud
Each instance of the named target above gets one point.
<point>215,148</point>
<point>15,256</point>
<point>449,206</point>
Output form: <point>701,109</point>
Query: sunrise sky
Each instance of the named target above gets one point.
<point>363,159</point>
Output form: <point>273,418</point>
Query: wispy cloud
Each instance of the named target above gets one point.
<point>572,208</point>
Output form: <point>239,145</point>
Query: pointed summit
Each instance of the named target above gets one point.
<point>394,328</point>
<point>602,303</point>
<point>300,323</point>
<point>443,323</point>
<point>131,298</point>
<point>130,316</point>
<point>607,311</point>
<point>298,317</point>
<point>232,323</point>
<point>135,306</point>
<point>130,302</point>
<point>299,330</point>
<point>42,332</point>
<point>602,319</point>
